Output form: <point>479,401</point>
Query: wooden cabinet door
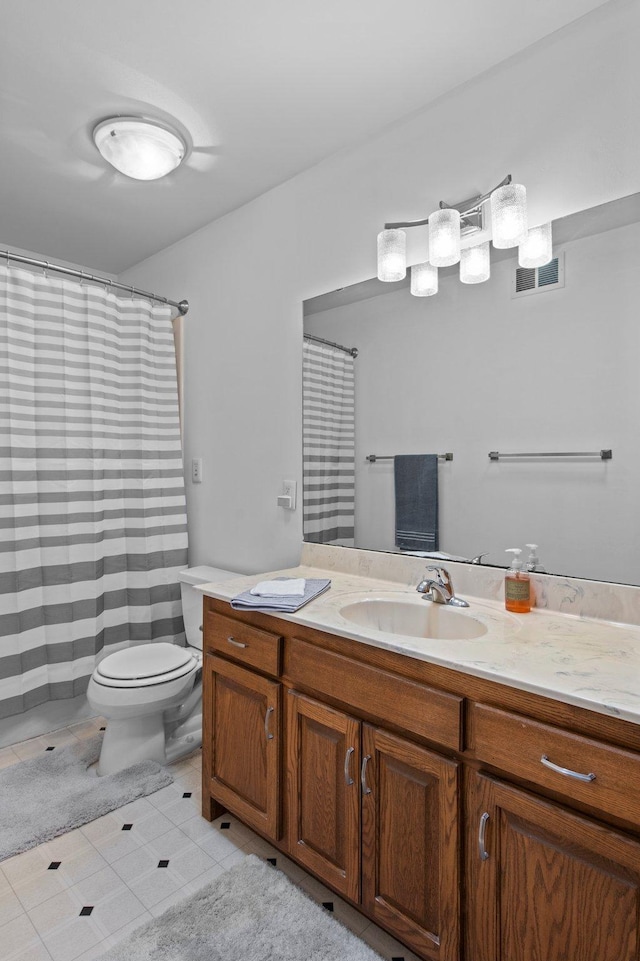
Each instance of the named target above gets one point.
<point>241,738</point>
<point>411,843</point>
<point>545,884</point>
<point>323,759</point>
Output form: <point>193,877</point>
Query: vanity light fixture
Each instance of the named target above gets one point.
<point>424,280</point>
<point>444,237</point>
<point>448,226</point>
<point>138,147</point>
<point>475,264</point>
<point>536,250</point>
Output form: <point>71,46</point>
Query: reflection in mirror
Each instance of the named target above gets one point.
<point>482,368</point>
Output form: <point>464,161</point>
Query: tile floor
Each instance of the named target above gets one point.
<point>72,898</point>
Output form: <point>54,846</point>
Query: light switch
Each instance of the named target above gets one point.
<point>196,470</point>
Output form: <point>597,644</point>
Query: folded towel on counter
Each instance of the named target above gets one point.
<point>281,586</point>
<point>288,603</point>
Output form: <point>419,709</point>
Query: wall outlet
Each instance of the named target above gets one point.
<point>289,489</point>
<point>196,470</point>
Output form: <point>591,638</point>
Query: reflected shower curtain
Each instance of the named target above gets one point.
<point>92,508</point>
<point>328,427</point>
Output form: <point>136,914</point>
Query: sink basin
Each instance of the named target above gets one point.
<point>413,619</point>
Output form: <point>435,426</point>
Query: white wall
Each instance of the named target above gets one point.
<point>563,118</point>
<point>472,370</point>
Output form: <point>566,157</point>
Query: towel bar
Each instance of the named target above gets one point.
<point>602,454</point>
<point>372,458</point>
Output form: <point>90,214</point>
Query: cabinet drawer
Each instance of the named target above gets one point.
<point>242,643</point>
<point>536,751</point>
<point>425,711</point>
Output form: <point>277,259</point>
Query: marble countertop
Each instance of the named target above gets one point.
<point>594,664</point>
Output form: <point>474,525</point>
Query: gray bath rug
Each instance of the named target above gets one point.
<point>51,794</point>
<point>250,913</point>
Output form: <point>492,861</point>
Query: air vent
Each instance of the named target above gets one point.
<point>533,280</point>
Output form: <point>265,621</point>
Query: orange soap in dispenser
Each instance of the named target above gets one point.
<point>517,585</point>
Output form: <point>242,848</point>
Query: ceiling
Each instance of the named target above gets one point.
<point>262,91</point>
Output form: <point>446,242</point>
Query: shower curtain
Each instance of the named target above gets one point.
<point>328,427</point>
<point>92,508</point>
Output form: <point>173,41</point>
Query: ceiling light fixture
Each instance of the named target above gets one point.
<point>450,224</point>
<point>139,148</point>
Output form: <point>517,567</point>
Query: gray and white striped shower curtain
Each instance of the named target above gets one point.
<point>328,428</point>
<point>92,508</point>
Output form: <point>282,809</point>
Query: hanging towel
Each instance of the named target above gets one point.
<point>313,586</point>
<point>416,487</point>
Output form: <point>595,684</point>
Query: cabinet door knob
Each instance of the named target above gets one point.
<point>267,718</point>
<point>348,780</point>
<point>363,774</point>
<point>235,643</point>
<point>566,771</point>
<point>482,830</point>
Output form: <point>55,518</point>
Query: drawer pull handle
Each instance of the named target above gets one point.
<point>235,643</point>
<point>348,780</point>
<point>267,718</point>
<point>565,770</point>
<point>363,774</point>
<point>484,854</point>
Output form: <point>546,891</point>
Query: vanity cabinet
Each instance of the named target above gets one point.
<point>411,843</point>
<point>457,813</point>
<point>242,739</point>
<point>323,764</point>
<point>546,883</point>
<point>376,817</point>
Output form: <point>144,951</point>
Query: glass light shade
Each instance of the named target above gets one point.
<point>509,215</point>
<point>138,148</point>
<point>536,249</point>
<point>392,255</point>
<point>424,280</point>
<point>444,237</point>
<point>475,264</point>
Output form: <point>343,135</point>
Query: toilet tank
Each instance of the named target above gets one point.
<point>192,599</point>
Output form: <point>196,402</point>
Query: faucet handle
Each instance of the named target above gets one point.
<point>444,577</point>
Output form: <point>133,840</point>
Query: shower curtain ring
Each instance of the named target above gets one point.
<point>132,290</point>
<point>46,268</point>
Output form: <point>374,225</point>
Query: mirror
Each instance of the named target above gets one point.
<point>480,368</point>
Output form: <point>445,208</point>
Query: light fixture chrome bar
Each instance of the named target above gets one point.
<point>182,306</point>
<point>372,458</point>
<point>329,343</point>
<point>602,454</point>
<point>407,223</point>
<point>466,207</point>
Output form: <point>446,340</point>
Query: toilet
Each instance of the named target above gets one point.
<point>151,694</point>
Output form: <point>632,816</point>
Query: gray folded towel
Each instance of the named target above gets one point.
<point>288,603</point>
<point>416,489</point>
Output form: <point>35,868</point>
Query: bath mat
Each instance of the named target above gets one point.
<point>51,794</point>
<point>250,913</point>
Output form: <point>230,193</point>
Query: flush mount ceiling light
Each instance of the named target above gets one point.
<point>139,148</point>
<point>452,222</point>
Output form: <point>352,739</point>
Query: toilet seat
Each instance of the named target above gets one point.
<point>144,666</point>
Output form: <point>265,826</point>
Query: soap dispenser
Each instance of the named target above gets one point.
<point>517,585</point>
<point>533,561</point>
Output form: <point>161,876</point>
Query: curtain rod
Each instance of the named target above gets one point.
<point>319,340</point>
<point>183,305</point>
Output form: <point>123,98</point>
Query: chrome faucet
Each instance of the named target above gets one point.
<point>440,589</point>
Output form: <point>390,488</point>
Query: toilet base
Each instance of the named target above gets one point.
<point>130,740</point>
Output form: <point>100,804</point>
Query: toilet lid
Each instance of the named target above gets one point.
<point>147,662</point>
